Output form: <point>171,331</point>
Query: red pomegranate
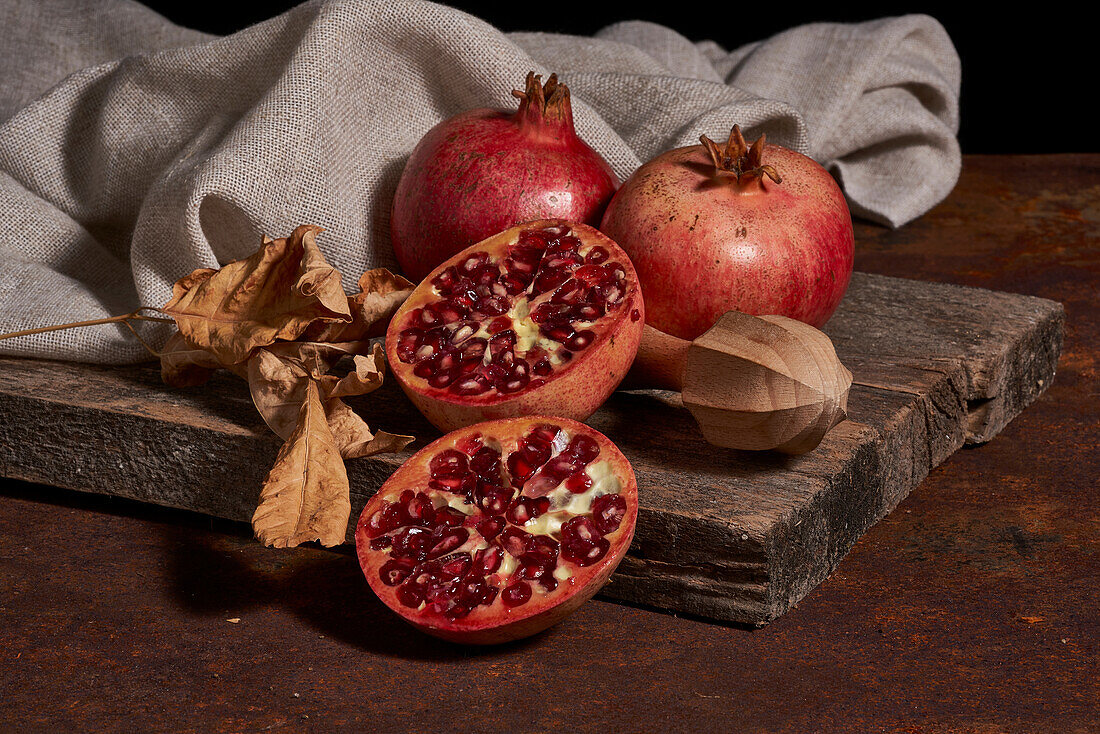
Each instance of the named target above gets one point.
<point>496,531</point>
<point>485,170</point>
<point>761,230</point>
<point>543,318</point>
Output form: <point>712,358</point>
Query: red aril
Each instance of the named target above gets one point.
<point>466,549</point>
<point>760,230</point>
<point>485,170</point>
<point>543,318</point>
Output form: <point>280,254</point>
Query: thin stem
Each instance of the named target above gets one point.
<point>124,319</point>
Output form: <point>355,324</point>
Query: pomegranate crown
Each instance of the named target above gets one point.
<point>739,159</point>
<point>545,108</point>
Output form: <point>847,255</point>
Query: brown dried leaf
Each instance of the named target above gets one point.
<point>276,293</point>
<point>367,376</point>
<point>278,376</point>
<point>355,438</point>
<point>380,294</point>
<point>182,365</point>
<point>305,495</point>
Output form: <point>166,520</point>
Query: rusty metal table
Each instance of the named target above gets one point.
<point>975,606</point>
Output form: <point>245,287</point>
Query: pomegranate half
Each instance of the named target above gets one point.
<point>543,318</point>
<point>499,530</point>
<point>483,170</point>
<point>760,230</point>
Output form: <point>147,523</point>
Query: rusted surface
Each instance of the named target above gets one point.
<point>973,607</point>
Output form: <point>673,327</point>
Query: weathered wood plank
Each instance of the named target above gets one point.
<point>728,535</point>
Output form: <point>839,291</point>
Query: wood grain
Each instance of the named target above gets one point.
<point>722,534</point>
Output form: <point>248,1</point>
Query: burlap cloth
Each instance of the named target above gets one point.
<point>133,150</point>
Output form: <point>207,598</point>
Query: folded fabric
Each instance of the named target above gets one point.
<point>133,150</point>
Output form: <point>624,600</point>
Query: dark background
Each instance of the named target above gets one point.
<point>1027,70</point>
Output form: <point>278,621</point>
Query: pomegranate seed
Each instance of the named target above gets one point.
<point>492,306</point>
<point>608,511</point>
<point>579,483</point>
<point>534,449</point>
<point>384,520</point>
<point>520,469</point>
<point>474,348</point>
<point>493,500</point>
<point>499,324</point>
<point>525,509</point>
<point>514,542</point>
<point>548,280</point>
<point>486,561</point>
<point>597,255</point>
<point>407,343</point>
<point>546,433</point>
<point>590,275</point>
<point>515,595</point>
<point>580,340</point>
<point>462,333</point>
<point>443,379</point>
<point>449,516</point>
<point>445,281</point>
<point>490,528</point>
<point>543,368</point>
<point>429,316</point>
<point>411,542</point>
<point>470,445</point>
<point>587,311</point>
<point>570,292</point>
<point>381,543</point>
<point>473,385</point>
<point>450,540</point>
<point>496,374</point>
<point>584,447</point>
<point>517,380</point>
<point>549,312</point>
<point>542,549</point>
<point>448,463</point>
<point>420,509</point>
<point>486,463</point>
<point>580,529</point>
<point>410,596</point>
<point>457,565</point>
<point>474,262</point>
<point>395,571</point>
<point>557,332</point>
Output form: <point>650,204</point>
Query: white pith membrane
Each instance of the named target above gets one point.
<point>503,322</point>
<point>538,552</point>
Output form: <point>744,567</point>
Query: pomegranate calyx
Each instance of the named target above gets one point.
<point>740,159</point>
<point>545,109</point>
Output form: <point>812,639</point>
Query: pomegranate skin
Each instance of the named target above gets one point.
<point>498,624</point>
<point>574,392</point>
<point>485,170</point>
<point>703,243</point>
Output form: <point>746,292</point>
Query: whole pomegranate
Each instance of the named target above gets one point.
<point>542,318</point>
<point>499,530</point>
<point>486,170</point>
<point>760,230</point>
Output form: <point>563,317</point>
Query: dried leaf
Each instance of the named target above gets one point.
<point>278,376</point>
<point>355,438</point>
<point>305,495</point>
<point>182,365</point>
<point>366,377</point>
<point>277,293</point>
<point>380,294</point>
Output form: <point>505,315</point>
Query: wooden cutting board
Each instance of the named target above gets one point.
<point>726,535</point>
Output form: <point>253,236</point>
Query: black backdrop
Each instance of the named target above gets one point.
<point>1028,71</point>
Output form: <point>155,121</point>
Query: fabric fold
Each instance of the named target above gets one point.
<point>133,151</point>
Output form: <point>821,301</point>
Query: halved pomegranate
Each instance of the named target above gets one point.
<point>499,530</point>
<point>542,318</point>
